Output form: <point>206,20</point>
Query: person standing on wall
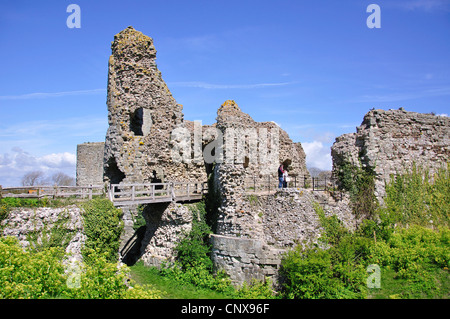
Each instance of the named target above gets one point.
<point>280,176</point>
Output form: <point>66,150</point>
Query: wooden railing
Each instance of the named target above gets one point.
<point>269,183</point>
<point>128,194</point>
<point>82,192</point>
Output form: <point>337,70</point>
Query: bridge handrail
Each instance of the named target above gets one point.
<point>169,190</point>
<point>40,191</point>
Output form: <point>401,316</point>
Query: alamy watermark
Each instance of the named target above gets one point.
<point>374,279</point>
<point>373,20</point>
<point>232,146</point>
<point>73,270</point>
<point>74,19</point>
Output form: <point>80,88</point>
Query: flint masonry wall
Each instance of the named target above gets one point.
<point>278,223</point>
<point>90,163</point>
<point>389,142</point>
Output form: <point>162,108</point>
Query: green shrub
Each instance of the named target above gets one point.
<point>42,275</point>
<point>103,226</point>
<point>194,249</point>
<point>30,275</point>
<point>412,198</point>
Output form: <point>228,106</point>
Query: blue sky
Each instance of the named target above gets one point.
<point>314,67</point>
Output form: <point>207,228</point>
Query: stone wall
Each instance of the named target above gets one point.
<point>166,224</point>
<point>235,216</point>
<point>271,225</point>
<point>389,142</point>
<point>22,222</point>
<point>90,163</point>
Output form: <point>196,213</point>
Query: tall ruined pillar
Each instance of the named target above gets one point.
<point>142,114</point>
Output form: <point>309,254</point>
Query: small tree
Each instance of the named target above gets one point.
<point>33,178</point>
<point>61,179</point>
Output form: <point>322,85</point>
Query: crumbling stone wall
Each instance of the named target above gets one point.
<point>142,114</point>
<point>22,222</point>
<point>90,163</point>
<point>389,142</point>
<point>235,215</point>
<point>278,223</point>
<point>166,224</point>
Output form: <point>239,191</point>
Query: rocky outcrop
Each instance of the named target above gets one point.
<point>389,142</point>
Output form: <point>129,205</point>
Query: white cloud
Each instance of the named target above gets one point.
<point>317,155</point>
<point>14,165</point>
<point>61,160</point>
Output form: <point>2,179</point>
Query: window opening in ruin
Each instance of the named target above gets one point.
<point>113,173</point>
<point>136,122</point>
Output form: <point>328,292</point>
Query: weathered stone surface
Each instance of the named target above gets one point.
<point>166,224</point>
<point>236,217</point>
<point>389,142</point>
<point>21,222</point>
<point>271,224</point>
<point>142,114</point>
<point>90,163</point>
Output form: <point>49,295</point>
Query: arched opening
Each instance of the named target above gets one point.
<point>113,173</point>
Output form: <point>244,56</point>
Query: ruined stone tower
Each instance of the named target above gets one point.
<point>142,113</point>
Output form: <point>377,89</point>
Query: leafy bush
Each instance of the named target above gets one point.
<point>360,183</point>
<point>330,273</point>
<point>30,275</point>
<point>42,275</point>
<point>416,255</point>
<point>103,226</point>
<point>193,250</point>
<point>412,198</point>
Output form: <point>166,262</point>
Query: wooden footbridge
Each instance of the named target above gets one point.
<point>135,194</point>
<point>118,194</point>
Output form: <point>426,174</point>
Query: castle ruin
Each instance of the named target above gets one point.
<point>251,231</point>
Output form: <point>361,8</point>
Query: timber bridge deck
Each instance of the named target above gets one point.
<point>118,194</point>
<point>135,194</point>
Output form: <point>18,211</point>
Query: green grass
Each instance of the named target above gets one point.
<point>393,287</point>
<point>171,288</point>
